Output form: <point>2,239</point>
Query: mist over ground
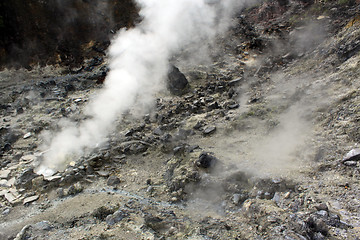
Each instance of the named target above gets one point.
<point>139,60</point>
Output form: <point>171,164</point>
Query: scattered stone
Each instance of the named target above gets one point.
<point>198,125</point>
<point>113,180</point>
<point>115,217</point>
<point>213,105</point>
<point>153,222</point>
<point>6,211</point>
<point>19,110</point>
<point>322,206</point>
<point>11,197</point>
<point>6,183</point>
<point>103,173</point>
<point>209,130</point>
<point>43,225</point>
<point>267,195</point>
<point>178,149</point>
<point>192,148</point>
<point>60,192</point>
<point>22,234</point>
<point>236,198</point>
<point>234,106</point>
<point>30,199</point>
<point>75,189</point>
<point>53,178</point>
<point>206,161</point>
<point>158,131</point>
<point>102,212</point>
<point>129,133</point>
<point>28,158</point>
<point>24,180</point>
<point>69,87</point>
<point>235,82</point>
<point>317,225</point>
<point>287,195</point>
<point>68,178</point>
<point>4,174</point>
<point>37,182</point>
<point>353,155</point>
<point>150,189</point>
<point>7,147</point>
<point>172,230</point>
<point>350,163</point>
<point>27,135</point>
<point>276,198</point>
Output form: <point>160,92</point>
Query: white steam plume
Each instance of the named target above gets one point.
<point>138,65</point>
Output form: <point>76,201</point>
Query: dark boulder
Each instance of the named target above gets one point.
<point>176,81</point>
<point>24,180</point>
<point>206,161</point>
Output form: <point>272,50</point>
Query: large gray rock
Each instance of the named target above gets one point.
<point>116,217</point>
<point>176,81</point>
<point>352,156</point>
<point>206,160</point>
<point>24,179</point>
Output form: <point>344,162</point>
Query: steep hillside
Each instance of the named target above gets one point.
<point>263,142</point>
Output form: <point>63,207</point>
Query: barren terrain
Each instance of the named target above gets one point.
<point>263,143</point>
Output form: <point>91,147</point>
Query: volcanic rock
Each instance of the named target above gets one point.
<point>27,135</point>
<point>4,174</point>
<point>198,125</point>
<point>103,173</point>
<point>75,189</point>
<point>30,199</point>
<point>176,81</point>
<point>37,182</point>
<point>102,212</point>
<point>113,180</point>
<point>153,222</point>
<point>25,178</point>
<point>6,211</point>
<point>239,198</point>
<point>43,225</point>
<point>11,197</point>
<point>158,131</point>
<point>7,183</point>
<point>209,130</point>
<point>322,206</point>
<point>233,106</point>
<point>353,155</point>
<point>206,161</point>
<point>60,192</point>
<point>115,217</point>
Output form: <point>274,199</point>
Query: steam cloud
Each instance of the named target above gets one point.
<point>138,66</point>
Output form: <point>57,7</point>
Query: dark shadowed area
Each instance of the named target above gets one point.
<point>59,32</point>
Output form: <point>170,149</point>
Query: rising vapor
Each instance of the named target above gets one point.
<point>138,66</point>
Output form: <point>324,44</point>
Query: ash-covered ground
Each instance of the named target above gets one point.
<point>262,143</point>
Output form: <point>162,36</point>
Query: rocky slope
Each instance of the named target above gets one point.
<point>263,144</point>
